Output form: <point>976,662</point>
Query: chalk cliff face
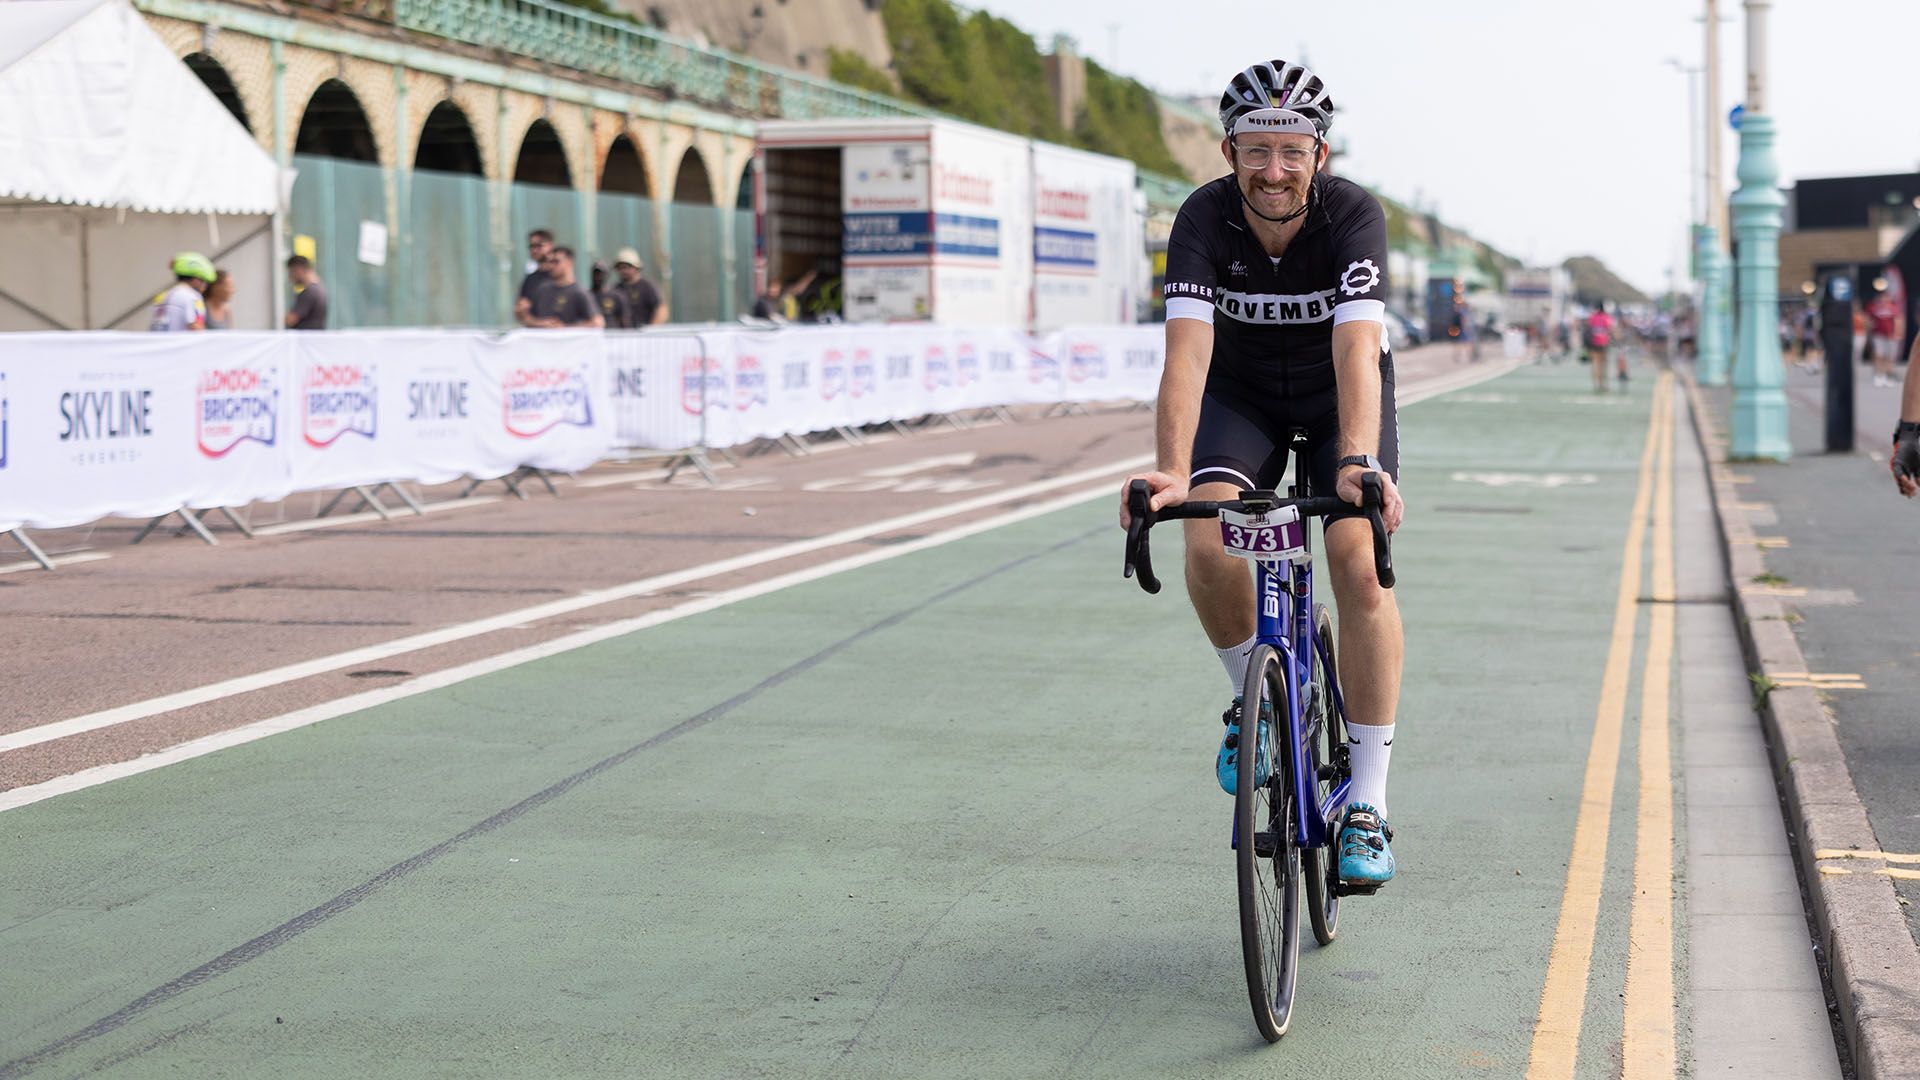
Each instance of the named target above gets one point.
<point>784,33</point>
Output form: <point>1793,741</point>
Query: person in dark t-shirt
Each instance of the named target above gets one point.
<point>310,296</point>
<point>1275,286</point>
<point>561,301</point>
<point>539,243</point>
<point>645,305</point>
<point>613,303</point>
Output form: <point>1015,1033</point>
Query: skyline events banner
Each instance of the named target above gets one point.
<point>94,425</point>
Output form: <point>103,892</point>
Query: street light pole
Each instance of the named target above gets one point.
<point>1713,329</point>
<point>1759,397</point>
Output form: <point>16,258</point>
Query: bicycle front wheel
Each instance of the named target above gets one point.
<point>1265,855</point>
<point>1326,737</point>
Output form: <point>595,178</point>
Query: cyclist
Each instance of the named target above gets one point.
<point>1275,290</point>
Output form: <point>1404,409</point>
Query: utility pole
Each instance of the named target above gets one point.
<point>1713,333</point>
<point>1759,399</point>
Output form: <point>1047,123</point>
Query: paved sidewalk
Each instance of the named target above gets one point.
<point>1828,544</point>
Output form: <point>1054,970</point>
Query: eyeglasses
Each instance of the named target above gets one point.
<point>1292,158</point>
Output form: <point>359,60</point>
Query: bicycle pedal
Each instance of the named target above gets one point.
<point>1343,888</point>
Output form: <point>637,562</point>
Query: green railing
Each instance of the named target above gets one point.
<point>617,49</point>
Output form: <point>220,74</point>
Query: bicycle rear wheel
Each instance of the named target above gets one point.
<point>1268,863</point>
<point>1326,737</point>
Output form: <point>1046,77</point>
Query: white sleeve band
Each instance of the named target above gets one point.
<point>1351,311</point>
<point>1192,307</point>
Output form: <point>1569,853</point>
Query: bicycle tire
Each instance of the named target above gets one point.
<point>1270,883</point>
<point>1325,733</point>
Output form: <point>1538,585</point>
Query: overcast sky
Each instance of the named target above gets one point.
<point>1547,127</point>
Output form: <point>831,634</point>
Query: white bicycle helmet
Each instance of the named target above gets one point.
<point>1277,84</point>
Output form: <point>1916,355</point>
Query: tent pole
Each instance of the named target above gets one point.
<point>86,275</point>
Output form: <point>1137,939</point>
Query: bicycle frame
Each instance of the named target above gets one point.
<point>1289,628</point>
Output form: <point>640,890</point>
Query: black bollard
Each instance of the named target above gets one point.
<point>1836,338</point>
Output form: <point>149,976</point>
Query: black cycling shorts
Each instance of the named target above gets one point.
<point>1243,440</point>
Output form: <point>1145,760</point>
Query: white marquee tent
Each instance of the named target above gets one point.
<point>113,156</point>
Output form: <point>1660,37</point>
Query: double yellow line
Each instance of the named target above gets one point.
<point>1648,1039</point>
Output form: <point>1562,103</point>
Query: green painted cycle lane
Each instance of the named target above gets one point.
<point>950,814</point>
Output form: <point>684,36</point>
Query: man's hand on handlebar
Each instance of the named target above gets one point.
<point>1392,509</point>
<point>1168,490</point>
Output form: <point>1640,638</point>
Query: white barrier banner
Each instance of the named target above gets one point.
<point>136,425</point>
<point>85,434</point>
<point>546,402</point>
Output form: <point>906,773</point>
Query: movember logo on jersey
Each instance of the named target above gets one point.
<point>535,400</point>
<point>1271,309</point>
<point>235,405</point>
<point>749,383</point>
<point>1085,360</point>
<point>337,400</point>
<point>701,380</point>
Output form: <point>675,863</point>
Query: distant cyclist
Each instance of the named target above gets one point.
<point>1276,284</point>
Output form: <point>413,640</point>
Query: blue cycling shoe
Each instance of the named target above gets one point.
<point>1366,862</point>
<point>1227,765</point>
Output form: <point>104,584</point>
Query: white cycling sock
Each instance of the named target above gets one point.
<point>1370,747</point>
<point>1234,659</point>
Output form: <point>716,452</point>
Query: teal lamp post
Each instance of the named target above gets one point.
<point>1759,400</point>
<point>1714,340</point>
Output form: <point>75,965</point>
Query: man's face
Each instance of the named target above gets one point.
<point>537,247</point>
<point>628,272</point>
<point>299,274</point>
<point>1277,186</point>
<point>559,266</point>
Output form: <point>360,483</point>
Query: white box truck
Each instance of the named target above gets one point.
<point>947,222</point>
<point>917,219</point>
<point>1089,239</point>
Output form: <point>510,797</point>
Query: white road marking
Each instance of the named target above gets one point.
<point>399,513</point>
<point>538,612</point>
<point>57,560</point>
<point>101,774</point>
<point>1514,479</point>
<point>942,461</point>
<point>313,714</point>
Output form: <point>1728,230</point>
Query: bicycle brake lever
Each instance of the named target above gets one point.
<point>1372,495</point>
<point>1139,554</point>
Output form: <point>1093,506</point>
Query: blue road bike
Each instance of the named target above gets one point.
<point>1298,758</point>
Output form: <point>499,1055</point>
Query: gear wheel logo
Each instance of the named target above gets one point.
<point>1359,277</point>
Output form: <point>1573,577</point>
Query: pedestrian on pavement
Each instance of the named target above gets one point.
<point>309,296</point>
<point>539,242</point>
<point>1599,339</point>
<point>1883,336</point>
<point>183,306</point>
<point>1809,339</point>
<point>645,306</point>
<point>768,306</point>
<point>220,301</point>
<point>1905,462</point>
<point>612,302</point>
<point>1460,328</point>
<point>562,301</point>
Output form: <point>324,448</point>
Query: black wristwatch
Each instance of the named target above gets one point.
<point>1365,461</point>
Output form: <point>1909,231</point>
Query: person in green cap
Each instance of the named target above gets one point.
<point>184,306</point>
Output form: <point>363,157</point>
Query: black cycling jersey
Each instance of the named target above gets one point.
<point>1273,321</point>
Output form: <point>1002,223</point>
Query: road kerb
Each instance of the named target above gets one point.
<point>1873,961</point>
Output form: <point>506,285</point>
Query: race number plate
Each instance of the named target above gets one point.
<point>1277,534</point>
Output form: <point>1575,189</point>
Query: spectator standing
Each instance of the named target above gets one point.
<point>1883,337</point>
<point>310,296</point>
<point>561,300</point>
<point>220,301</point>
<point>1599,338</point>
<point>183,306</point>
<point>612,302</point>
<point>539,243</point>
<point>768,306</point>
<point>645,305</point>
